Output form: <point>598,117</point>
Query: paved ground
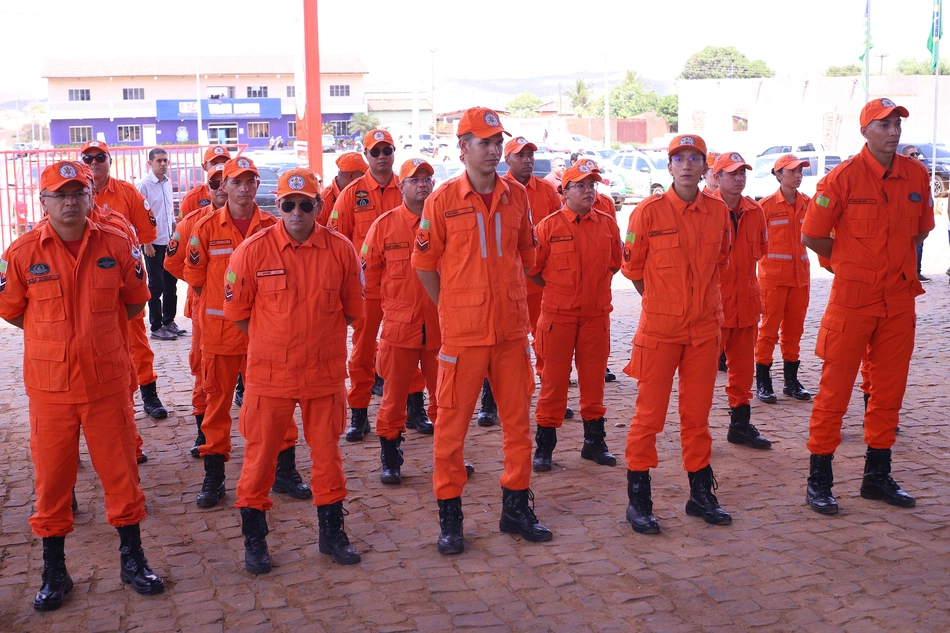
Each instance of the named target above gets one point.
<point>778,567</point>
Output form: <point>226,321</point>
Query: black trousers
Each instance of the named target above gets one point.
<point>163,305</point>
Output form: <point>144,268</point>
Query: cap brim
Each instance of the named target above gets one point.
<point>81,179</point>
<point>241,172</point>
<point>424,168</point>
<point>514,149</point>
<point>736,167</point>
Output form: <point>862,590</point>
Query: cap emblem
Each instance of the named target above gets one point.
<point>417,161</point>
<point>243,163</point>
<point>218,150</point>
<point>687,140</point>
<point>736,158</point>
<point>887,103</point>
<point>491,119</point>
<point>67,171</point>
<point>296,182</point>
<point>379,136</point>
<point>584,169</point>
<point>93,143</point>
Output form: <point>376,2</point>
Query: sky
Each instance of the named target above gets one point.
<point>485,40</point>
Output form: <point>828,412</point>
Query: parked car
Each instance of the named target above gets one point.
<point>792,148</point>
<point>761,182</point>
<point>20,147</point>
<point>444,171</point>
<point>266,197</point>
<point>941,184</point>
<point>329,143</point>
<point>406,141</point>
<point>542,166</point>
<point>644,173</point>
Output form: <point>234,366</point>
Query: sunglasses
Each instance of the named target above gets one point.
<point>915,154</point>
<point>386,151</point>
<point>214,184</point>
<point>306,206</point>
<point>99,158</point>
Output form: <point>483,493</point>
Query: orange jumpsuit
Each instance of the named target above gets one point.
<point>198,198</point>
<point>482,254</point>
<point>784,278</point>
<point>679,251</point>
<point>329,196</point>
<point>296,296</point>
<point>355,210</point>
<point>223,345</point>
<point>76,366</point>
<point>410,337</point>
<point>577,258</point>
<point>741,298</point>
<point>875,214</point>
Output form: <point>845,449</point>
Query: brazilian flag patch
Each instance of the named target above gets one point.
<point>231,277</point>
<point>631,237</point>
<point>424,224</point>
<point>823,201</point>
<point>364,249</point>
<point>194,240</point>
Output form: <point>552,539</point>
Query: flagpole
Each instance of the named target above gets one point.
<point>936,56</point>
<point>867,53</point>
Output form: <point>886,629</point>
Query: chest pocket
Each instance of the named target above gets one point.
<point>330,300</point>
<point>105,292</point>
<point>111,356</point>
<point>397,263</point>
<point>462,232</point>
<point>363,218</point>
<point>510,227</point>
<point>563,255</point>
<point>664,249</point>
<point>46,299</point>
<point>864,220</point>
<point>273,294</point>
<point>47,369</point>
<point>754,238</point>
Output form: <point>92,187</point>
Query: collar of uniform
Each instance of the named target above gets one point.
<point>408,215</point>
<point>570,216</point>
<point>47,232</point>
<point>799,198</point>
<point>681,205</point>
<point>877,169</point>
<point>531,180</point>
<point>745,202</point>
<point>316,239</point>
<point>109,186</point>
<point>225,217</point>
<point>500,187</point>
<point>332,188</point>
<point>370,183</point>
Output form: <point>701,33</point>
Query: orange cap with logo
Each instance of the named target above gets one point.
<point>482,122</point>
<point>711,159</point>
<point>578,173</point>
<point>413,166</point>
<point>880,109</point>
<point>684,142</point>
<point>517,144</point>
<point>730,162</point>
<point>789,161</point>
<point>377,137</point>
<point>88,145</point>
<point>239,166</point>
<point>216,171</point>
<point>62,173</point>
<point>352,161</point>
<point>300,180</point>
<point>216,151</point>
<point>589,163</point>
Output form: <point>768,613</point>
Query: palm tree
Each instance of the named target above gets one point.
<point>580,97</point>
<point>362,123</point>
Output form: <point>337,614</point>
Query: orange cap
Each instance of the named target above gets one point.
<point>216,171</point>
<point>300,180</point>
<point>239,166</point>
<point>880,109</point>
<point>711,159</point>
<point>62,173</point>
<point>589,163</point>
<point>730,161</point>
<point>377,137</point>
<point>482,122</point>
<point>517,144</point>
<point>86,169</point>
<point>684,142</point>
<point>94,145</point>
<point>413,166</point>
<point>216,151</point>
<point>789,161</point>
<point>352,161</point>
<point>579,172</point>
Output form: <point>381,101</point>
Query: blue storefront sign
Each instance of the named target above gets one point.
<point>211,109</point>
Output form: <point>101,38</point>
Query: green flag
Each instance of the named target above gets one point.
<point>933,40</point>
<point>868,44</point>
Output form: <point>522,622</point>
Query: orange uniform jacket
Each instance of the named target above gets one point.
<point>741,297</point>
<point>867,206</point>
<point>329,195</point>
<point>543,200</point>
<point>786,263</point>
<point>124,198</point>
<point>360,204</point>
<point>212,241</point>
<point>75,326</point>
<point>410,319</point>
<point>178,251</point>
<point>679,250</point>
<point>605,204</point>
<point>198,198</point>
<point>482,255</point>
<point>577,258</point>
<point>296,297</point>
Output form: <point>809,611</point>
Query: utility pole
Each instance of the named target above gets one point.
<point>882,56</point>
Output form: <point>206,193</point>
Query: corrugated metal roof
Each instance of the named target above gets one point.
<point>79,67</point>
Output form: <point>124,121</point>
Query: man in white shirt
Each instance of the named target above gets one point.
<point>162,307</point>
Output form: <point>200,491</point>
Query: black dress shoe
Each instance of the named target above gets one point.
<point>174,329</point>
<point>162,334</point>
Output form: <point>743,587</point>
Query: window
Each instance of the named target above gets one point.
<point>257,92</point>
<point>220,92</point>
<point>79,94</point>
<point>642,165</point>
<point>133,94</point>
<point>258,129</point>
<point>291,129</point>
<point>340,128</point>
<point>128,133</point>
<point>340,91</point>
<point>291,91</point>
<point>80,133</point>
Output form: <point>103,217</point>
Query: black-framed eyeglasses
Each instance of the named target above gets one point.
<point>214,184</point>
<point>386,151</point>
<point>287,206</point>
<point>419,181</point>
<point>99,158</point>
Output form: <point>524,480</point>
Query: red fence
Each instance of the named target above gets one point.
<point>20,178</point>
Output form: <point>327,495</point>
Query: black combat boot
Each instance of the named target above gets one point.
<point>640,510</point>
<point>212,490</point>
<point>378,384</point>
<point>152,406</point>
<point>595,448</point>
<point>254,529</point>
<point>741,431</point>
<point>75,502</point>
<point>450,522</point>
<point>568,413</point>
<point>333,539</point>
<point>517,516</point>
<point>359,425</point>
<point>200,440</point>
<point>133,567</point>
<point>609,376</point>
<point>794,388</point>
<point>239,392</point>
<point>416,416</point>
<point>546,440</point>
<point>878,483</point>
<point>722,362</point>
<point>820,482</point>
<point>56,580</point>
<point>489,412</point>
<point>390,456</point>
<point>702,502</point>
<point>288,480</point>
<point>763,383</point>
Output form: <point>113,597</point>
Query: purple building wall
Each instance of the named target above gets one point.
<point>166,131</point>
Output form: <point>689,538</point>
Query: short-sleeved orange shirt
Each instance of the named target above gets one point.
<point>124,198</point>
<point>360,204</point>
<point>329,196</point>
<point>786,263</point>
<point>543,200</point>
<point>198,198</point>
<point>741,297</point>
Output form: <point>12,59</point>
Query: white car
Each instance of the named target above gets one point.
<point>644,173</point>
<point>760,182</point>
<point>792,148</point>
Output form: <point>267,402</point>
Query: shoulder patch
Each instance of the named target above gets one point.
<point>823,201</point>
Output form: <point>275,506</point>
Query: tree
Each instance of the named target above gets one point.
<point>524,105</point>
<point>714,62</point>
<point>362,123</point>
<point>851,70</point>
<point>910,66</point>
<point>669,109</point>
<point>580,96</point>
<point>628,99</point>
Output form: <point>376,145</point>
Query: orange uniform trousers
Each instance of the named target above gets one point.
<point>558,337</point>
<point>782,307</point>
<point>653,364</point>
<point>198,399</point>
<point>266,422</point>
<point>843,340</point>
<point>398,366</point>
<point>461,373</point>
<point>109,427</point>
<point>142,355</point>
<point>739,345</point>
<point>534,312</point>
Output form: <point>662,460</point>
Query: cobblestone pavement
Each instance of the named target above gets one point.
<point>778,567</point>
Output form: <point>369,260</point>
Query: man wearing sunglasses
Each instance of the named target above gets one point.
<point>293,288</point>
<point>351,166</point>
<point>200,195</point>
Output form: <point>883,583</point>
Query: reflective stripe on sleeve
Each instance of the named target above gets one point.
<point>779,256</point>
<point>214,312</point>
<point>221,251</point>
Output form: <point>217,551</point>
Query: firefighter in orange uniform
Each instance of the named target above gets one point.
<point>676,247</point>
<point>76,370</point>
<point>879,207</point>
<point>578,255</point>
<point>292,288</point>
<point>709,177</point>
<point>351,166</point>
<point>223,345</point>
<point>741,298</point>
<point>784,277</point>
<point>202,196</point>
<point>475,244</point>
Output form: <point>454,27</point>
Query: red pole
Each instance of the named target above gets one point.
<point>309,116</point>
